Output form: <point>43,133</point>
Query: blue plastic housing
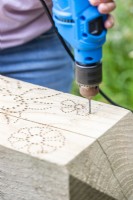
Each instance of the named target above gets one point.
<point>72,19</point>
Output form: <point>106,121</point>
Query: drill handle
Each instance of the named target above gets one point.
<point>82,26</point>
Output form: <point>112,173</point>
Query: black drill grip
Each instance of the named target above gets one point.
<point>89,75</point>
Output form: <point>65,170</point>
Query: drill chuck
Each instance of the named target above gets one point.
<point>88,75</point>
<point>88,79</point>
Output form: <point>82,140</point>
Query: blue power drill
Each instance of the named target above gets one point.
<point>82,26</point>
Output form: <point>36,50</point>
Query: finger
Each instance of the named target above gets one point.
<point>106,8</point>
<point>109,23</point>
<point>98,2</point>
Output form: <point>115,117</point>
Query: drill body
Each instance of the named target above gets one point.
<point>82,26</point>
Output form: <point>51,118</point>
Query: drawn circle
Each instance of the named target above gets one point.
<point>12,103</point>
<point>37,140</point>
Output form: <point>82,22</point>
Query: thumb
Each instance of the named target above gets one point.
<point>98,2</point>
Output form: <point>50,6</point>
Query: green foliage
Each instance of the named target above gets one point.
<point>118,58</point>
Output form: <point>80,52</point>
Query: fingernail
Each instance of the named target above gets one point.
<point>95,2</point>
<point>103,8</point>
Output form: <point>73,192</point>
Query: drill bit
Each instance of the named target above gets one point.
<point>89,106</point>
<point>89,92</point>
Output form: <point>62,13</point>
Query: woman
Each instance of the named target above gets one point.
<point>29,48</point>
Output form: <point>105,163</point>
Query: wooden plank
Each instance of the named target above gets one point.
<point>42,141</point>
<point>51,148</point>
<point>107,165</point>
<point>57,109</point>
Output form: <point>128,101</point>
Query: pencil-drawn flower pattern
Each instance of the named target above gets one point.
<point>70,106</point>
<point>37,140</point>
<point>17,99</point>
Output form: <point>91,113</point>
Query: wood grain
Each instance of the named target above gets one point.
<point>52,148</point>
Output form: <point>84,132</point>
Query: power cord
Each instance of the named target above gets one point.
<point>70,53</point>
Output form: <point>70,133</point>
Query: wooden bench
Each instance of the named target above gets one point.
<point>52,149</point>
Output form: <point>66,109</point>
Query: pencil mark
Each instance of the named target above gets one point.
<point>22,100</point>
<point>4,80</point>
<point>17,100</point>
<point>69,106</point>
<point>37,140</point>
<point>13,104</point>
<point>19,86</point>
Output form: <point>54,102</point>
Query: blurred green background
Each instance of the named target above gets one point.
<point>118,58</point>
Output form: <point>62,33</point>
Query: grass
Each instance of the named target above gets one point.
<point>118,58</point>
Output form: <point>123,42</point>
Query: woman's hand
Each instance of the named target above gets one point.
<point>105,7</point>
